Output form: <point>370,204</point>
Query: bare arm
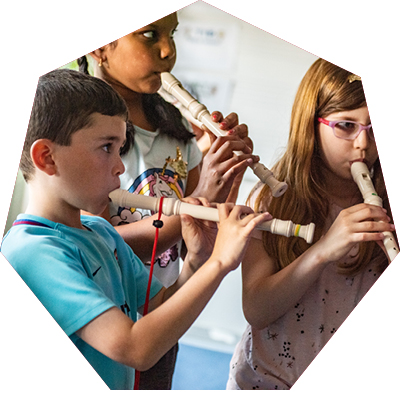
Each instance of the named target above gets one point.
<point>140,235</point>
<point>141,344</point>
<point>270,290</point>
<point>269,293</point>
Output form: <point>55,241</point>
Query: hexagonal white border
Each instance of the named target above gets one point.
<point>41,35</point>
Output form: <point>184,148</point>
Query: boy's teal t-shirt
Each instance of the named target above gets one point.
<point>79,274</point>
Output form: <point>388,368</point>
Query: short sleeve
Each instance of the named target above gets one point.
<point>133,270</point>
<point>53,270</point>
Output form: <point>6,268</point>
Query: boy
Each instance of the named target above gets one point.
<point>78,266</point>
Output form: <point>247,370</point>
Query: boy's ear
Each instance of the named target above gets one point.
<point>42,151</point>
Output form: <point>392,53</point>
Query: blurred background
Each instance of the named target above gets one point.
<point>230,66</point>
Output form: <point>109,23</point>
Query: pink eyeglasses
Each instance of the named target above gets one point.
<point>348,130</point>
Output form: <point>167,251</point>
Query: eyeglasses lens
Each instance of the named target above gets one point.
<point>349,130</point>
<point>345,129</point>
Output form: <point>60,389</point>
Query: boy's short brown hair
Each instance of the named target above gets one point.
<point>64,103</point>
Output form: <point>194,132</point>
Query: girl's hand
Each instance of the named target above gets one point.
<point>360,223</point>
<point>235,228</point>
<point>231,124</point>
<point>222,170</point>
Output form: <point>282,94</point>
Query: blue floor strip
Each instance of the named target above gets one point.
<point>200,369</point>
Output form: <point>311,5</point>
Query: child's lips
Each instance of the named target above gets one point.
<point>109,199</point>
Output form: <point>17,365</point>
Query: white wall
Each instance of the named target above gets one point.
<point>263,78</point>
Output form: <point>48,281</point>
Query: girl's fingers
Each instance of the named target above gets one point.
<point>217,116</point>
<point>375,226</point>
<point>229,122</point>
<point>242,131</point>
<point>225,145</point>
<point>364,213</point>
<point>229,170</point>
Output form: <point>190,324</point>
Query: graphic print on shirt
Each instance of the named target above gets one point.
<point>178,164</point>
<point>154,182</point>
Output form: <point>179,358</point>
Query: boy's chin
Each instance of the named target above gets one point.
<point>95,210</point>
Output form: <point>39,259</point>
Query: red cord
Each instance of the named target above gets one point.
<point>146,303</point>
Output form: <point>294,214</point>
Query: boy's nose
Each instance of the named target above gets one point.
<point>120,167</point>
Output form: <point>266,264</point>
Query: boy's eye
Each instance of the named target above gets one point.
<point>107,147</point>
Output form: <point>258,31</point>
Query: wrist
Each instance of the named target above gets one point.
<point>195,261</point>
<point>319,255</point>
<point>219,266</point>
<point>210,272</point>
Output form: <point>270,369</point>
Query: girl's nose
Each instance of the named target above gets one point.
<point>362,140</point>
<point>167,49</point>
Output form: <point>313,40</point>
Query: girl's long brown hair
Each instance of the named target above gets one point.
<point>324,89</point>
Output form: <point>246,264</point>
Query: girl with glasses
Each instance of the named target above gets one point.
<point>296,295</point>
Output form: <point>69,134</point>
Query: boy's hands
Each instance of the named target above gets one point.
<point>226,241</point>
<point>141,344</point>
<point>199,235</point>
<point>235,228</point>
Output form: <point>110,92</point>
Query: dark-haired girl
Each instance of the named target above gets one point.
<point>160,155</point>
